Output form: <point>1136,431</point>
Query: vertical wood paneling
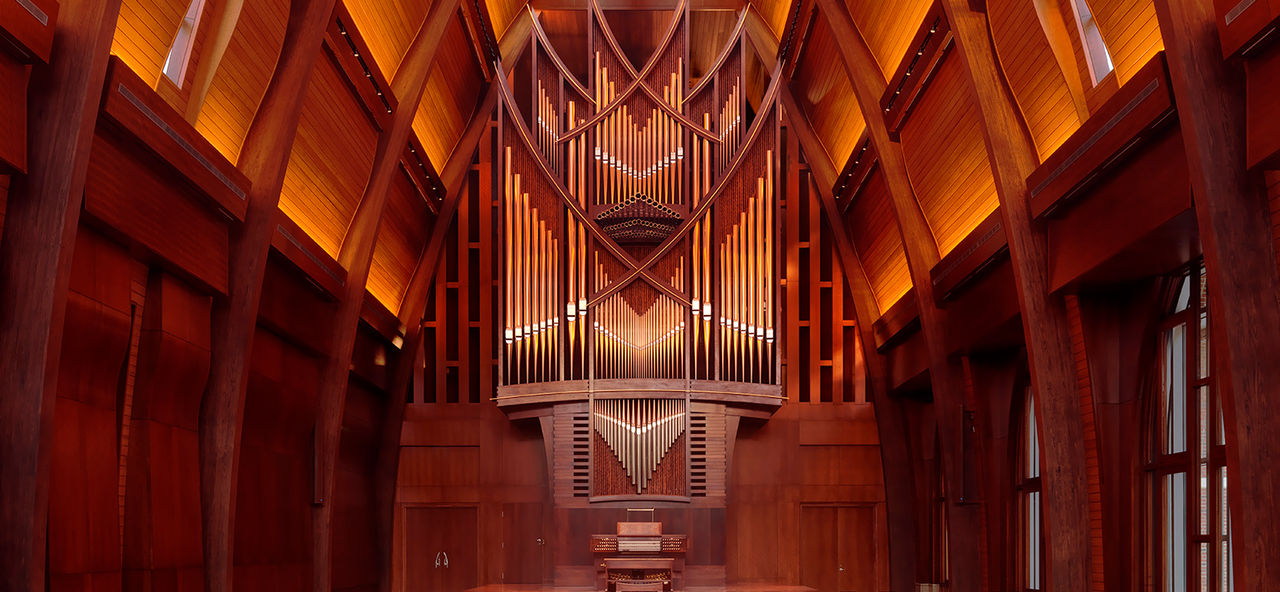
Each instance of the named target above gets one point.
<point>274,489</point>
<point>1038,83</point>
<point>243,75</point>
<point>1130,30</point>
<point>1084,387</point>
<point>888,26</point>
<point>388,27</point>
<point>355,560</point>
<point>401,238</point>
<point>946,158</point>
<point>874,232</point>
<point>163,531</point>
<point>1273,198</point>
<point>145,32</point>
<point>331,159</point>
<point>84,511</point>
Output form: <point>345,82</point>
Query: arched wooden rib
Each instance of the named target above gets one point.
<point>732,44</point>
<point>555,57</point>
<point>757,126</point>
<point>638,78</point>
<point>526,137</point>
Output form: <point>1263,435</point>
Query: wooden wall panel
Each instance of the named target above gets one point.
<point>1084,387</point>
<point>145,32</point>
<point>1273,195</point>
<point>875,235</point>
<point>331,159</point>
<point>84,511</point>
<point>136,197</point>
<point>471,454</point>
<point>1130,30</point>
<point>888,26</point>
<point>4,197</point>
<point>243,75</point>
<point>453,88</point>
<point>388,27</point>
<point>802,455</point>
<point>401,238</point>
<point>163,530</point>
<point>14,76</point>
<point>355,559</point>
<point>274,489</point>
<point>826,96</point>
<point>1038,83</point>
<point>946,158</point>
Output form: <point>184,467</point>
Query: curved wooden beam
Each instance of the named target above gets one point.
<point>264,160</point>
<point>35,269</point>
<point>1045,323</point>
<point>555,57</point>
<point>770,99</point>
<point>356,256</point>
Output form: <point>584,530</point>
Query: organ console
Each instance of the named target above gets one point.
<point>639,558</point>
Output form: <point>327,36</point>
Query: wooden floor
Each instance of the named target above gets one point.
<point>730,588</point>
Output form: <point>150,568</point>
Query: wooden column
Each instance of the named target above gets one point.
<point>264,160</point>
<point>899,483</point>
<point>1232,211</point>
<point>1044,315</point>
<point>356,256</point>
<point>945,373</point>
<point>35,268</point>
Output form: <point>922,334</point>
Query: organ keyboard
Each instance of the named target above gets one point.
<point>639,557</point>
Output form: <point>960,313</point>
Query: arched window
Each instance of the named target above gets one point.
<point>1190,526</point>
<point>1031,547</point>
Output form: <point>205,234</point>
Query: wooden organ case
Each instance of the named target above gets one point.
<point>638,283</point>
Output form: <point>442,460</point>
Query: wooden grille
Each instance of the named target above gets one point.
<point>706,453</point>
<point>572,445</point>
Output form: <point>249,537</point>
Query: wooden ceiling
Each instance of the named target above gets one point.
<point>388,27</point>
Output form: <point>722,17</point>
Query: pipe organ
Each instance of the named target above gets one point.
<point>640,263</point>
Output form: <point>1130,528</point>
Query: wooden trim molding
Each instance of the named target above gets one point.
<point>1131,117</point>
<point>924,55</point>
<point>981,249</point>
<point>26,29</point>
<point>348,49</point>
<point>898,323</point>
<point>134,107</point>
